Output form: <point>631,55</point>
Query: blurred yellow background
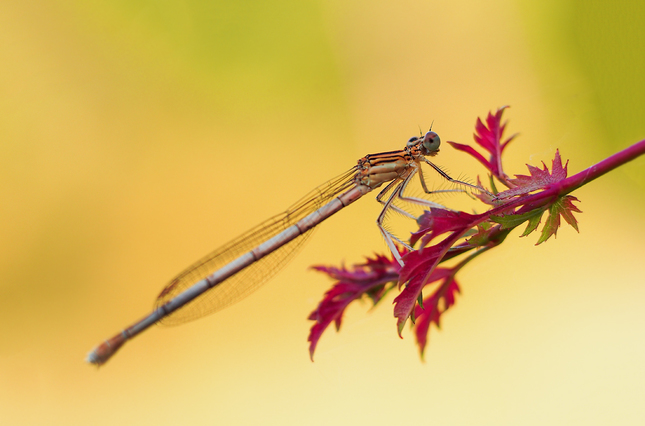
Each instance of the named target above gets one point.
<point>137,136</point>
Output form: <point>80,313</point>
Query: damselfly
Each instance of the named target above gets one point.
<point>238,268</point>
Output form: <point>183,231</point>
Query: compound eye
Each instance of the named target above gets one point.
<point>431,142</point>
<point>413,140</point>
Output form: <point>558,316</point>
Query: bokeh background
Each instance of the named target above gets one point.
<point>136,136</point>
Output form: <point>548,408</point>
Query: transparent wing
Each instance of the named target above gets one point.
<point>250,279</point>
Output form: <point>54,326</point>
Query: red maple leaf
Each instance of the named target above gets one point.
<point>430,310</point>
<point>367,279</point>
<point>562,207</point>
<point>489,137</point>
<point>538,179</point>
<point>437,222</point>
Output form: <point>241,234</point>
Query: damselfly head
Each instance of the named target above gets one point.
<point>431,142</point>
<point>413,141</point>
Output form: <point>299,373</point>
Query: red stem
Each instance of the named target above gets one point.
<point>606,165</point>
<point>571,183</point>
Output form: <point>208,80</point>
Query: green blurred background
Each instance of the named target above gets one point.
<point>137,136</point>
